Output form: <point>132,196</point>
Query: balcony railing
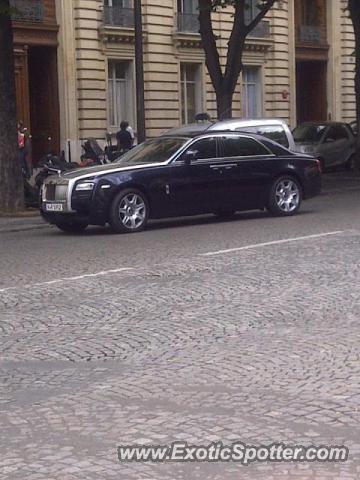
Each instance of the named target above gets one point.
<point>119,17</point>
<point>28,10</point>
<point>262,30</point>
<point>310,34</point>
<point>188,22</point>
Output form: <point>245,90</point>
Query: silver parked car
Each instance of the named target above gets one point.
<point>273,128</point>
<point>333,143</point>
<point>354,127</point>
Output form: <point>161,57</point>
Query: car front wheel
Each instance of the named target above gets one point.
<point>285,196</point>
<point>129,212</point>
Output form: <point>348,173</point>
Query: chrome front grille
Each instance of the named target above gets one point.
<point>50,191</point>
<point>55,192</point>
<point>61,193</point>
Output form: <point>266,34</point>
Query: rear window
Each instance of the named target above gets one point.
<point>276,133</point>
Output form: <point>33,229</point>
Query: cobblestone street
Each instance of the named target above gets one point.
<point>113,340</point>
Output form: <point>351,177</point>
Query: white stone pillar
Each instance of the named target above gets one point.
<point>69,123</point>
<point>292,62</point>
<point>334,65</point>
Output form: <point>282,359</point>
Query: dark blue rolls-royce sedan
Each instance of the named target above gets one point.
<point>214,172</point>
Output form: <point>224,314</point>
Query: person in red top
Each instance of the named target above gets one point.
<point>22,147</point>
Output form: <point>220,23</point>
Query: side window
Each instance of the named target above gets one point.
<point>242,147</point>
<point>342,132</point>
<point>331,134</point>
<point>205,148</point>
<point>275,133</point>
<point>337,132</point>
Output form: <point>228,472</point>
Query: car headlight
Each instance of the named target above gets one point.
<point>84,186</point>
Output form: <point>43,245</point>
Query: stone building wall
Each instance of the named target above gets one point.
<point>92,44</point>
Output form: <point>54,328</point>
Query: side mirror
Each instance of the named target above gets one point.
<point>189,157</point>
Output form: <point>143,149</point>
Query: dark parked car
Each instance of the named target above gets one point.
<point>354,127</point>
<point>217,172</point>
<point>333,143</point>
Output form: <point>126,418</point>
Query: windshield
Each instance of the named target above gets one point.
<point>308,133</point>
<point>157,150</point>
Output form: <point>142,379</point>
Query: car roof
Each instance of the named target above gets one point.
<point>190,130</point>
<point>193,129</point>
<point>219,133</point>
<point>241,122</point>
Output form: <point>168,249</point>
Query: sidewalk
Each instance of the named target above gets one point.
<point>19,223</point>
<point>333,183</point>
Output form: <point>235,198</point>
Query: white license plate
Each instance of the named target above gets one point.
<point>54,207</point>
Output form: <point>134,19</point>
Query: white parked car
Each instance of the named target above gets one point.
<point>333,143</point>
<point>273,128</point>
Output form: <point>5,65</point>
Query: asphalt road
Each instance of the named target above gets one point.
<point>196,330</point>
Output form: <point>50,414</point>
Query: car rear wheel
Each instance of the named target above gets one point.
<point>75,227</point>
<point>129,212</point>
<point>285,196</point>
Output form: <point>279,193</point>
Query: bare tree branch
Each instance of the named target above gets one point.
<point>212,56</point>
<point>264,8</point>
<point>225,83</point>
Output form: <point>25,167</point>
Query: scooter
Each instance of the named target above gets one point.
<point>94,153</point>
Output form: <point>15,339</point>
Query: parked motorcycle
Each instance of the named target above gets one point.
<point>93,152</point>
<point>52,164</point>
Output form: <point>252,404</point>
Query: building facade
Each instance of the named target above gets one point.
<point>36,75</point>
<point>298,65</point>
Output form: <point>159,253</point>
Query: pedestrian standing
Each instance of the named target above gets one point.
<point>123,137</point>
<point>23,150</point>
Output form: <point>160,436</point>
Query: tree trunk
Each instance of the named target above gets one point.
<point>224,83</point>
<point>224,104</point>
<point>354,9</point>
<point>11,181</point>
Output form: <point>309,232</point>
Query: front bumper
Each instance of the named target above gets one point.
<point>55,218</point>
<point>56,193</point>
<point>60,203</point>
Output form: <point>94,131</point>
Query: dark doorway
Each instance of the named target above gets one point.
<point>311,92</point>
<point>44,101</point>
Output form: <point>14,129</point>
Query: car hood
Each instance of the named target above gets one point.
<point>104,169</point>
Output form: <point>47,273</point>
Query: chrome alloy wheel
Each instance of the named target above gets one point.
<point>132,211</point>
<point>287,195</point>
